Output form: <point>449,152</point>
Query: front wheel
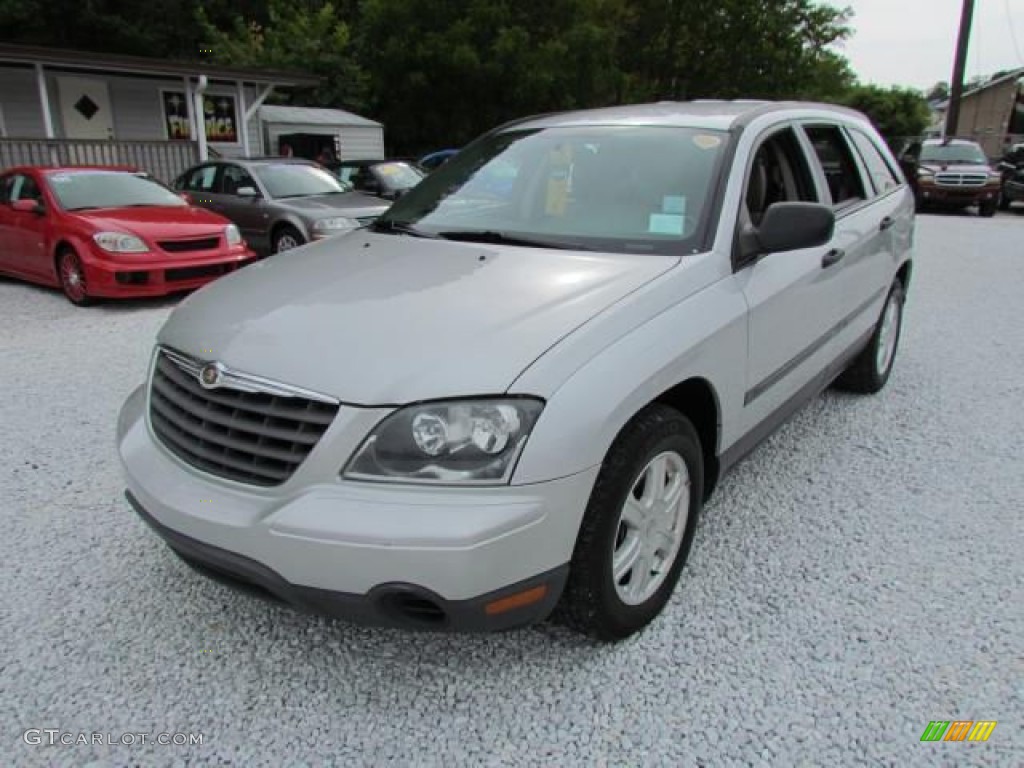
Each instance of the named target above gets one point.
<point>638,527</point>
<point>870,370</point>
<point>287,238</point>
<point>988,208</point>
<point>72,278</point>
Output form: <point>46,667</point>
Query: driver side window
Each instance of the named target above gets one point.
<point>234,178</point>
<point>778,173</point>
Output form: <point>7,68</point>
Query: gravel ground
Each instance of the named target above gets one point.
<point>857,577</point>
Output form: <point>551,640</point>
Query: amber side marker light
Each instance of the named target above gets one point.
<point>518,600</point>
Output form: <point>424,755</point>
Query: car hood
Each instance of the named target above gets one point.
<point>375,319</point>
<point>155,222</point>
<point>956,168</point>
<point>320,206</point>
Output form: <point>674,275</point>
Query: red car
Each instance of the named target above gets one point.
<point>110,232</point>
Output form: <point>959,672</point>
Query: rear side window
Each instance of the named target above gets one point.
<point>837,161</point>
<point>882,175</point>
<point>20,187</point>
<point>201,179</point>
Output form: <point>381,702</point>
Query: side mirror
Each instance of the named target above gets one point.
<point>29,206</point>
<point>793,226</point>
<point>247,192</point>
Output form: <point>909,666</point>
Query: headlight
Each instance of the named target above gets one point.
<point>995,176</point>
<point>922,172</point>
<point>120,242</point>
<point>232,235</point>
<point>334,224</point>
<point>453,442</point>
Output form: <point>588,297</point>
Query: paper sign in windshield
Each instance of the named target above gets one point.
<point>673,204</point>
<point>665,224</point>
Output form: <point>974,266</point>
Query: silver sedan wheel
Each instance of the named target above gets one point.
<point>888,334</point>
<point>286,242</point>
<point>651,528</point>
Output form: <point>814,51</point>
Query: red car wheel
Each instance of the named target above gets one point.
<point>72,278</point>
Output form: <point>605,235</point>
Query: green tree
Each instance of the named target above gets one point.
<point>685,49</point>
<point>443,72</point>
<point>118,26</point>
<point>896,112</point>
<point>301,36</point>
<point>938,92</point>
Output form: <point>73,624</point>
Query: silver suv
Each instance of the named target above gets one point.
<point>511,396</point>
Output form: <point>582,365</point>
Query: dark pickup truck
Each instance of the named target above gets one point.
<point>951,173</point>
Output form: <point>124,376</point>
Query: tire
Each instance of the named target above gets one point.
<point>594,601</point>
<point>1004,202</point>
<point>988,208</point>
<point>286,238</point>
<point>72,279</point>
<point>919,204</point>
<point>870,370</point>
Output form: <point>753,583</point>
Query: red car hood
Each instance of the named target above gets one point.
<point>162,222</point>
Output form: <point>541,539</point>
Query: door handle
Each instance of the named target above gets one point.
<point>832,257</point>
<point>885,223</point>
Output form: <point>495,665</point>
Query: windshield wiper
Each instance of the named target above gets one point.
<point>390,225</point>
<point>500,238</point>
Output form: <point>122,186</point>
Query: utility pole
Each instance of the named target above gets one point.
<point>959,66</point>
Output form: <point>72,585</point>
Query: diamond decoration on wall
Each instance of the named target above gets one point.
<point>86,107</point>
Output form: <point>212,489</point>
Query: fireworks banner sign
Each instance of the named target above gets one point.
<point>176,121</point>
<point>219,117</point>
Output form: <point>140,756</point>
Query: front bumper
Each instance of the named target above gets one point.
<point>408,606</point>
<point>149,275</point>
<point>958,196</point>
<point>418,557</point>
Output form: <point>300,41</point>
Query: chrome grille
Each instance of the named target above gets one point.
<point>961,179</point>
<point>254,437</point>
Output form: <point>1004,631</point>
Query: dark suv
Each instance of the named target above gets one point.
<point>951,173</point>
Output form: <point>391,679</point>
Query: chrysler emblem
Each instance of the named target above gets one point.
<point>210,375</point>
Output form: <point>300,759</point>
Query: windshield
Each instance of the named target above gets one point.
<point>84,190</point>
<point>613,188</point>
<point>953,153</point>
<point>295,180</point>
<point>399,175</point>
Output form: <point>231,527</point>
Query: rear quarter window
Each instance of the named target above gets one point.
<point>883,177</point>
